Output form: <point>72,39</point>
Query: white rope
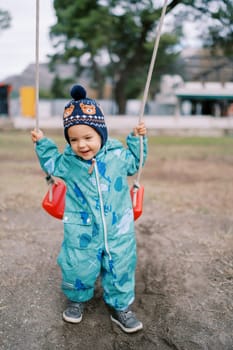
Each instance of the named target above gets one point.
<point>146,90</point>
<point>37,66</point>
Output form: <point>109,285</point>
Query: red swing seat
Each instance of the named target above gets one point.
<point>54,200</point>
<point>137,195</point>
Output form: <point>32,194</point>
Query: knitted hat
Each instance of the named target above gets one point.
<point>84,111</point>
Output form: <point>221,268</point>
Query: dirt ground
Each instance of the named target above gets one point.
<point>184,280</point>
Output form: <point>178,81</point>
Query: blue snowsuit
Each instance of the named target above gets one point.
<point>99,235</point>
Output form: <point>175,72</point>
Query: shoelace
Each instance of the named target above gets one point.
<point>75,307</point>
<point>127,314</point>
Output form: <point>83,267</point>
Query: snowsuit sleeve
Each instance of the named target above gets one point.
<point>51,160</point>
<point>132,154</point>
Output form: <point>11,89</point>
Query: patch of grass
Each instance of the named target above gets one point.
<point>192,141</point>
<point>176,147</point>
<point>17,145</point>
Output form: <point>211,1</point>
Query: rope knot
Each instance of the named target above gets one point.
<point>90,170</point>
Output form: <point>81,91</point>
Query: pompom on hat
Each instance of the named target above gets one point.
<point>84,111</point>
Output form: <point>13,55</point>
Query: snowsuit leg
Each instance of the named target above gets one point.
<point>80,269</point>
<point>79,259</point>
<point>118,278</point>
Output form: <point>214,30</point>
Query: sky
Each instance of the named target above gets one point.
<point>17,44</point>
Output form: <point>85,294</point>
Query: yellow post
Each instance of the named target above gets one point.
<point>27,99</point>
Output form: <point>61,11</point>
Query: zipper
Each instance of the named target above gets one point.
<point>102,214</point>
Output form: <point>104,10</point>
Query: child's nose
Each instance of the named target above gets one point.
<point>81,143</point>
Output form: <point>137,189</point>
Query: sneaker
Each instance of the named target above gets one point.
<point>126,320</point>
<point>73,313</point>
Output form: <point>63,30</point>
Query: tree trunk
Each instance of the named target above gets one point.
<point>120,96</point>
<point>99,79</point>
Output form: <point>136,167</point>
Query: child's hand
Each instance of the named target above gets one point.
<point>140,129</point>
<point>36,135</point>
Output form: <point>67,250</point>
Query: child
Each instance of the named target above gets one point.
<point>99,237</point>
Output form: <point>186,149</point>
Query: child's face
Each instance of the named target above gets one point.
<point>84,141</point>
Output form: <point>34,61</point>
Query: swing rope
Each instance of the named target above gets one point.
<point>50,180</point>
<point>37,66</point>
<point>145,96</point>
<point>149,76</point>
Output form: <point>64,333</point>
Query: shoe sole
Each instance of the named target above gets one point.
<point>127,330</point>
<point>71,319</point>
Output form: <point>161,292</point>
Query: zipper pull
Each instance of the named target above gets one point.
<point>90,170</point>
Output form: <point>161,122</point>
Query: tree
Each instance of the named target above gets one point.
<point>5,20</point>
<point>114,40</point>
<point>59,87</point>
<point>221,31</point>
<point>213,19</point>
